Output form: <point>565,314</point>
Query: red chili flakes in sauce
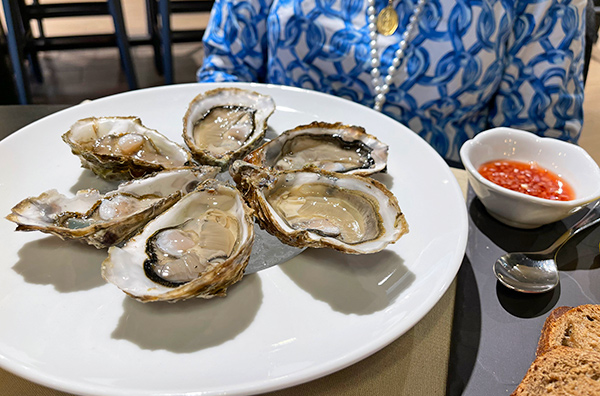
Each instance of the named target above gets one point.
<point>528,178</point>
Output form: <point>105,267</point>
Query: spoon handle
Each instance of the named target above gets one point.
<point>591,217</point>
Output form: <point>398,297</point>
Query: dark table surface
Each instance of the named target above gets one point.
<point>495,330</point>
<point>15,117</point>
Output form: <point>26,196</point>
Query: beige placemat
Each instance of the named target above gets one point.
<point>414,364</point>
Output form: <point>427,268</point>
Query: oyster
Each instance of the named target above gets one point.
<point>332,147</point>
<point>316,208</point>
<point>223,124</point>
<point>121,148</point>
<point>197,248</point>
<point>104,220</point>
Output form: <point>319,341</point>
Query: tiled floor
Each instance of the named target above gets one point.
<point>73,76</point>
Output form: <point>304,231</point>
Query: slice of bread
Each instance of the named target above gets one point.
<point>562,371</point>
<point>577,327</point>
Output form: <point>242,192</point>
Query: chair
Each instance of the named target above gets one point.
<point>8,93</point>
<point>163,36</point>
<point>23,45</point>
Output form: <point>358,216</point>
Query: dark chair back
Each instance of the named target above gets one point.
<point>24,46</point>
<point>163,35</point>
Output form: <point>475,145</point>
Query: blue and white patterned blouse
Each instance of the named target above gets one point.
<point>471,64</point>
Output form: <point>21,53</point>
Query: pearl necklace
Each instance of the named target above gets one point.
<point>382,86</point>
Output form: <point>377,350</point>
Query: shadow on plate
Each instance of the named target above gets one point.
<point>384,178</point>
<point>67,265</point>
<point>88,180</point>
<point>270,134</point>
<point>191,325</point>
<point>466,330</point>
<point>351,284</point>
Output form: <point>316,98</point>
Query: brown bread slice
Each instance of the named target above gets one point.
<point>562,371</point>
<point>577,327</point>
<point>543,341</point>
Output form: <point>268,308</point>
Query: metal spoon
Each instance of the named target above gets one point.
<point>537,272</point>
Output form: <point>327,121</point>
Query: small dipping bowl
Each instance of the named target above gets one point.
<point>569,161</point>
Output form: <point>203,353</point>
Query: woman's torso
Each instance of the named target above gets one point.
<point>443,88</point>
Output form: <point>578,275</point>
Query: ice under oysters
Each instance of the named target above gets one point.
<point>197,248</point>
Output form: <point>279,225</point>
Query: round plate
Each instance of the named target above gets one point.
<point>64,327</point>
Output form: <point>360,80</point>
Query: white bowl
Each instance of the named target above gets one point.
<point>569,161</point>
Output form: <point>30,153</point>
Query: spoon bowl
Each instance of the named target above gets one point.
<point>526,273</point>
<point>537,272</point>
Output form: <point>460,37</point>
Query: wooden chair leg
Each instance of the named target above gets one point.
<point>16,43</point>
<point>39,22</point>
<point>36,69</point>
<point>165,17</point>
<point>154,33</point>
<point>32,54</point>
<point>123,42</point>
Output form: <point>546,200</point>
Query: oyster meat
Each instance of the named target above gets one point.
<point>223,124</point>
<point>197,248</point>
<point>104,220</point>
<point>316,208</point>
<point>333,147</point>
<point>121,148</point>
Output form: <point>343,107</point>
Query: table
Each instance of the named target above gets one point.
<point>8,94</point>
<point>478,339</point>
<point>496,330</point>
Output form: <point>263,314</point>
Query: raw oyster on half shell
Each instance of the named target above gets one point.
<point>223,124</point>
<point>121,148</point>
<point>197,248</point>
<point>316,208</point>
<point>332,147</point>
<point>103,220</point>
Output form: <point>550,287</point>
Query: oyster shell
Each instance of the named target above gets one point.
<point>223,124</point>
<point>104,220</point>
<point>121,148</point>
<point>197,248</point>
<point>332,147</point>
<point>316,208</point>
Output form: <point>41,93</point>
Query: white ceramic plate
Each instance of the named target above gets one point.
<point>64,327</point>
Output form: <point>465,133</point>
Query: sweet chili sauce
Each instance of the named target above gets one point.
<point>527,178</point>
